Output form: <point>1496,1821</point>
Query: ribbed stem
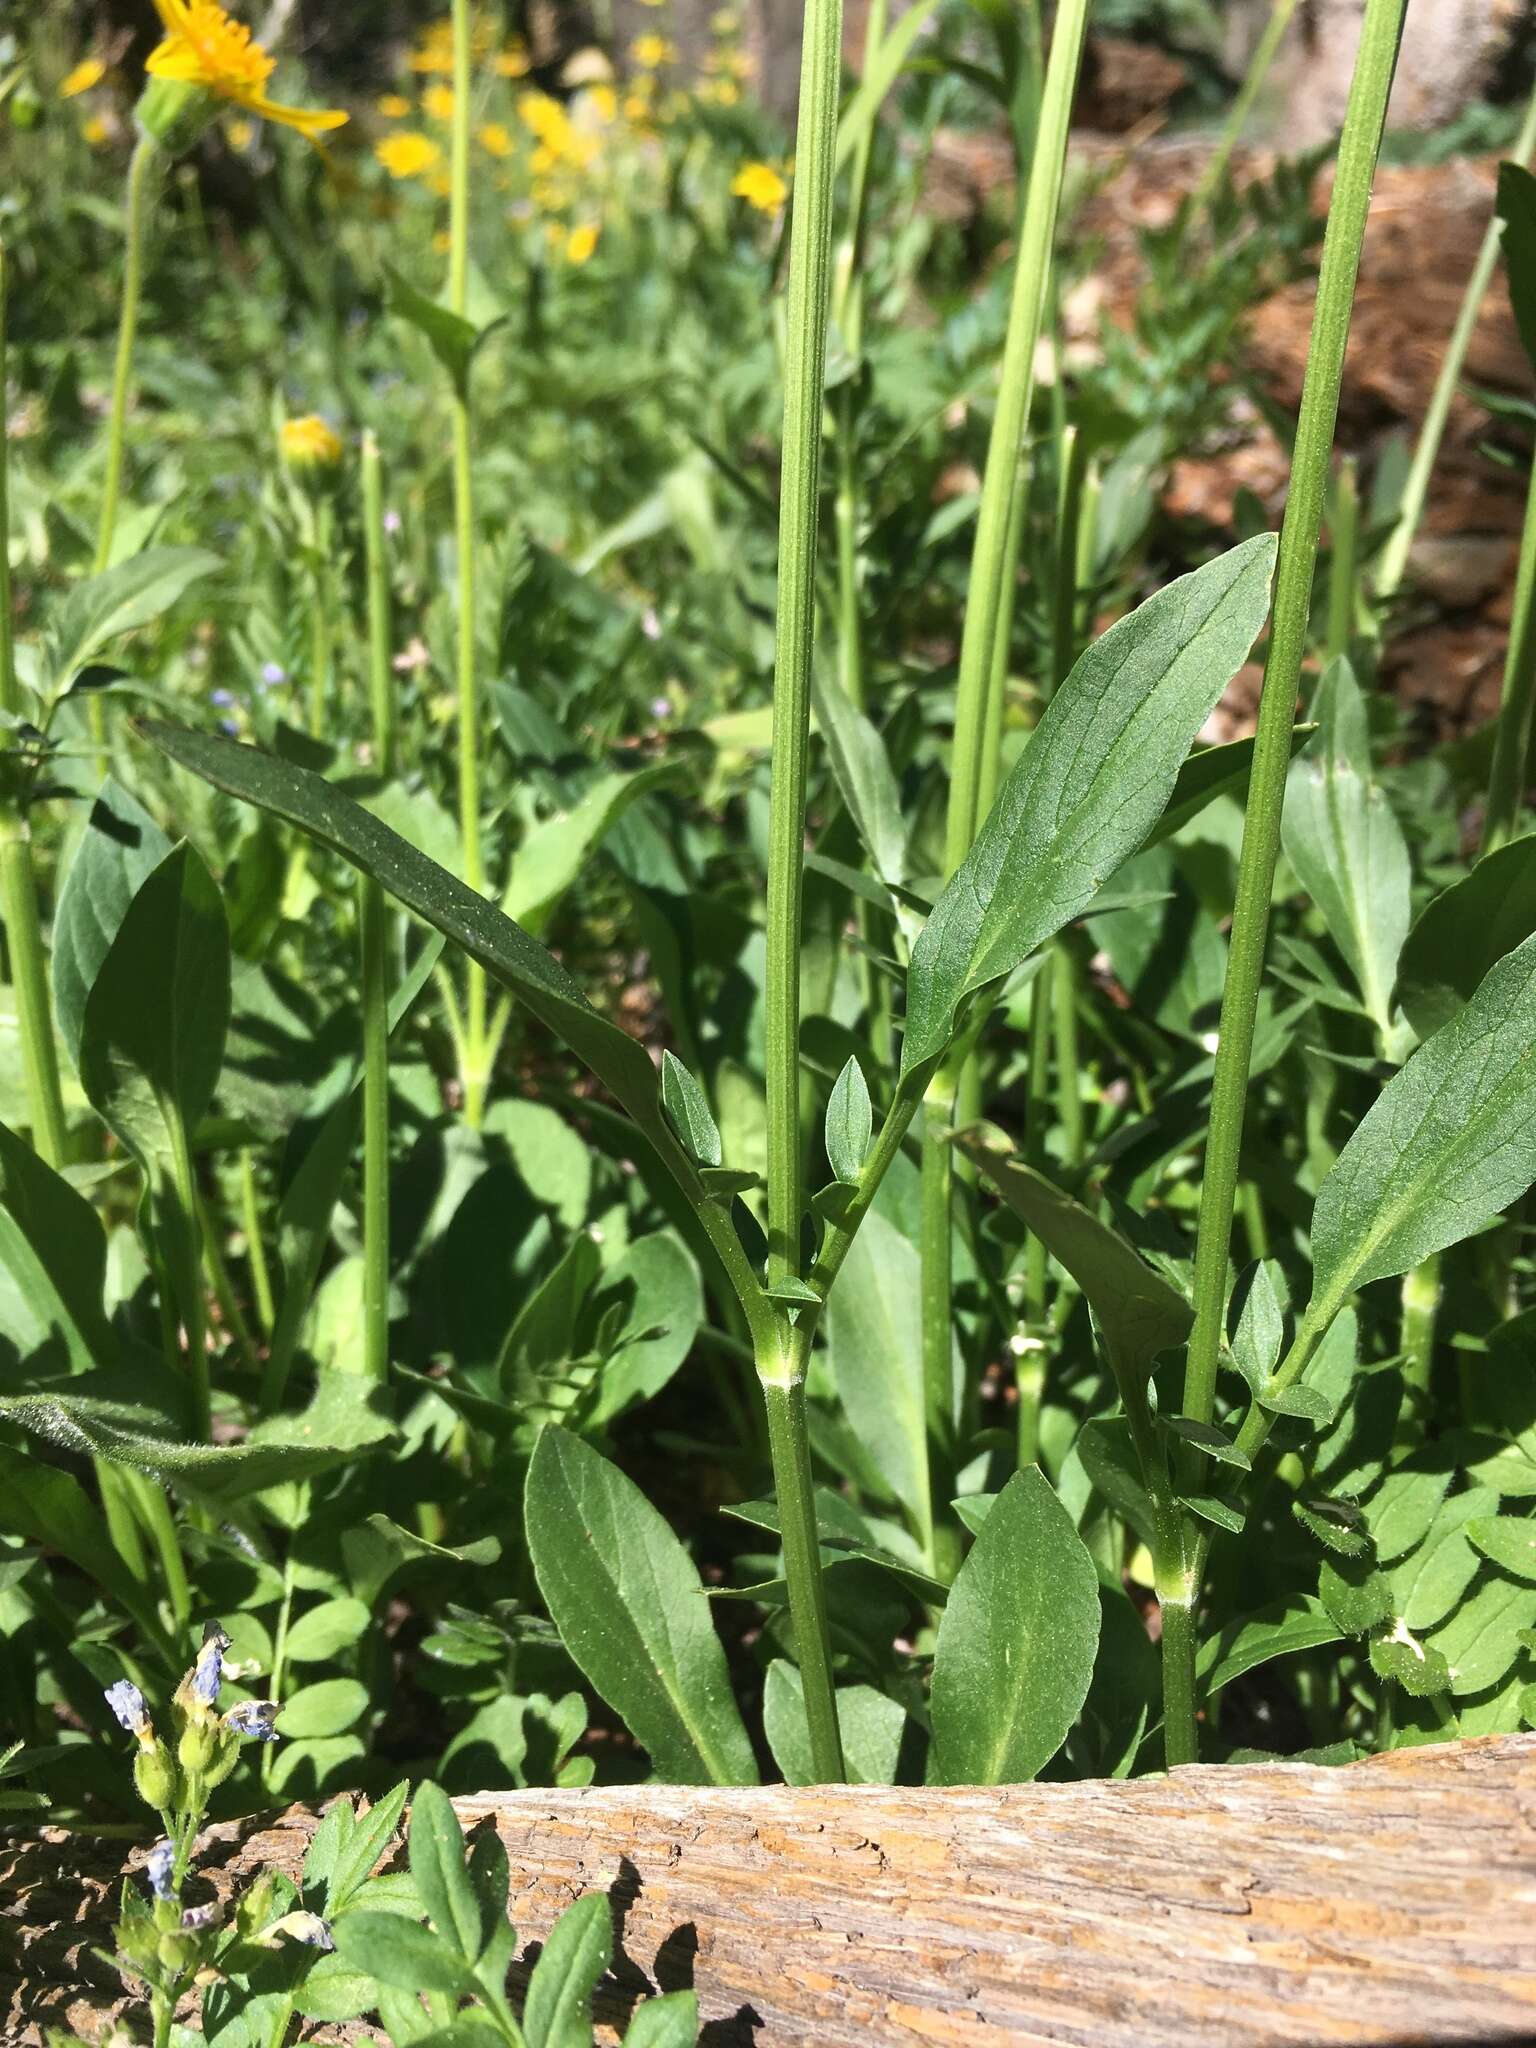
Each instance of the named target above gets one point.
<point>373,937</point>
<point>381,676</point>
<point>789,1446</point>
<point>144,154</point>
<point>810,282</point>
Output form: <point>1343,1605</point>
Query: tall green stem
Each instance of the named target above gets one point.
<point>381,687</point>
<point>1393,564</point>
<point>1358,149</point>
<point>144,154</point>
<point>810,279</point>
<point>789,1445</point>
<point>1345,566</point>
<point>321,632</point>
<point>476,1079</point>
<point>184,1227</point>
<point>1512,740</point>
<point>373,936</point>
<point>1253,84</point>
<point>18,880</point>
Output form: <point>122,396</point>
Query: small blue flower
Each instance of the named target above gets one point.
<point>254,1719</point>
<point>222,698</point>
<point>196,1918</point>
<point>157,1869</point>
<point>208,1672</point>
<point>127,1703</point>
<point>273,673</point>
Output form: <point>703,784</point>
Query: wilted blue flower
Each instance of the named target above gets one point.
<point>306,1927</point>
<point>161,1861</point>
<point>196,1918</point>
<point>254,1719</point>
<point>208,1672</point>
<point>127,1703</point>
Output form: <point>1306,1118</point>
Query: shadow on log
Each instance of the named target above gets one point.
<point>1389,1902</point>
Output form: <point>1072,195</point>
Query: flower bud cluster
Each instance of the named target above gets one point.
<point>175,1775</point>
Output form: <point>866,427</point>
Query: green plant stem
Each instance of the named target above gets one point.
<point>183,1192</point>
<point>789,1444</point>
<point>373,937</point>
<point>154,1512</point>
<point>1358,148</point>
<point>1393,564</point>
<point>144,155</point>
<point>381,680</point>
<point>1069,1097</point>
<point>476,1080</point>
<point>1512,738</point>
<point>18,877</point>
<point>1237,119</point>
<point>255,1249</point>
<point>810,279</point>
<point>1344,568</point>
<point>321,632</point>
<point>1180,1641</point>
<point>117,1511</point>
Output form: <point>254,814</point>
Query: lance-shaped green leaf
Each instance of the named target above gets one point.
<point>1016,1646</point>
<point>1448,1144</point>
<point>688,1107</point>
<point>1343,839</point>
<point>1517,210</point>
<point>503,948</point>
<point>557,2012</point>
<point>551,857</point>
<point>1211,773</point>
<point>451,337</point>
<point>1087,789</point>
<point>53,1263</point>
<point>1459,936</point>
<point>1137,1311</point>
<point>850,1122</point>
<point>152,1034</point>
<point>99,608</point>
<point>629,1606</point>
<point>119,850</point>
<point>862,770</point>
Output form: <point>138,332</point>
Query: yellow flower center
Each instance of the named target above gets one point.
<point>308,443</point>
<point>206,47</point>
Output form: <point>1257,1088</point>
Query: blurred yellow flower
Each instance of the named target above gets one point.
<point>651,52</point>
<point>637,109</point>
<point>95,131</point>
<point>603,102</point>
<point>544,117</point>
<point>88,72</point>
<point>437,101</point>
<point>761,186</point>
<point>204,47</point>
<point>720,92</point>
<point>308,443</point>
<point>241,134</point>
<point>407,155</point>
<point>580,243</point>
<point>543,161</point>
<point>393,106</point>
<point>512,62</point>
<point>496,138</point>
<point>440,185</point>
<point>435,50</point>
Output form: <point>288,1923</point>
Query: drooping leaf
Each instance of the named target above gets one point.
<point>490,938</point>
<point>119,850</point>
<point>1448,1144</point>
<point>451,337</point>
<point>1342,837</point>
<point>1137,1311</point>
<point>1087,789</point>
<point>1460,935</point>
<point>1016,1645</point>
<point>630,1609</point>
<point>1299,1623</point>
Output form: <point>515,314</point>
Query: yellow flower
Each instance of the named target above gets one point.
<point>204,47</point>
<point>720,92</point>
<point>435,50</point>
<point>651,52</point>
<point>637,109</point>
<point>88,72</point>
<point>603,102</point>
<point>761,186</point>
<point>241,134</point>
<point>437,101</point>
<point>544,117</point>
<point>96,131</point>
<point>496,138</point>
<point>580,243</point>
<point>512,62</point>
<point>407,155</point>
<point>308,443</point>
<point>543,161</point>
<point>393,106</point>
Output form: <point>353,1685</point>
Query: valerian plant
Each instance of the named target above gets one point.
<point>606,1214</point>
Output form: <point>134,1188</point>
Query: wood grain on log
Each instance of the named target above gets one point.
<point>1390,1902</point>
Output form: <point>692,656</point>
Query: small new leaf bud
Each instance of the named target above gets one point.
<point>155,1777</point>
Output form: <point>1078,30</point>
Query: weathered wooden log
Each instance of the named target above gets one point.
<point>1389,1902</point>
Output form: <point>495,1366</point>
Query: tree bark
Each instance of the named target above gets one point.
<point>1390,1902</point>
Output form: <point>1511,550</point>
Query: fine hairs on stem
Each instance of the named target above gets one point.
<point>1358,149</point>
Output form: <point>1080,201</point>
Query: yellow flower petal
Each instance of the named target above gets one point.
<point>761,186</point>
<point>408,155</point>
<point>88,72</point>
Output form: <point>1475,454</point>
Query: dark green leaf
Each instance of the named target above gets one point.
<point>872,1726</point>
<point>668,2022</point>
<point>1509,1540</point>
<point>53,1263</point>
<point>119,850</point>
<point>688,1107</point>
<point>850,1122</point>
<point>1464,931</point>
<point>1517,210</point>
<point>437,1869</point>
<point>1016,1645</point>
<point>400,1953</point>
<point>118,600</point>
<point>1299,1623</point>
<point>558,2010</point>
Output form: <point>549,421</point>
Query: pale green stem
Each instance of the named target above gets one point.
<point>789,1445</point>
<point>1345,565</point>
<point>1393,564</point>
<point>1069,1097</point>
<point>1253,84</point>
<point>144,154</point>
<point>1512,738</point>
<point>255,1249</point>
<point>321,636</point>
<point>373,935</point>
<point>183,1190</point>
<point>381,676</point>
<point>1358,148</point>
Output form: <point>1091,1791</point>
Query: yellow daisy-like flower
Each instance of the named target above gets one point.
<point>761,186</point>
<point>437,101</point>
<point>204,47</point>
<point>602,102</point>
<point>512,62</point>
<point>393,106</point>
<point>241,134</point>
<point>408,155</point>
<point>544,117</point>
<point>496,139</point>
<point>88,72</point>
<point>651,52</point>
<point>580,243</point>
<point>435,50</point>
<point>308,443</point>
<point>96,131</point>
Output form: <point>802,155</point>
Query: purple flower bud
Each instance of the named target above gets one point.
<point>158,1867</point>
<point>127,1703</point>
<point>273,673</point>
<point>254,1720</point>
<point>198,1918</point>
<point>222,698</point>
<point>208,1672</point>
